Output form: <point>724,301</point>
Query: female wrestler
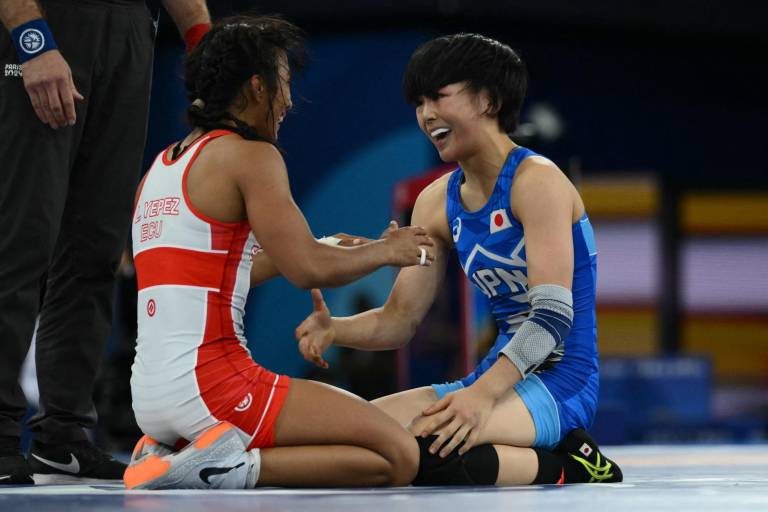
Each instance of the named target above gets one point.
<point>205,210</point>
<point>524,239</point>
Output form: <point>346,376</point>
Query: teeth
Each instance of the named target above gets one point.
<point>439,131</point>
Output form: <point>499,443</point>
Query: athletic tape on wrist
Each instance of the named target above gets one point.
<point>31,39</point>
<point>329,240</point>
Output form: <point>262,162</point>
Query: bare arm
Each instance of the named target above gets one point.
<point>284,234</point>
<point>393,324</point>
<point>263,269</point>
<point>543,201</point>
<point>187,13</point>
<point>15,12</point>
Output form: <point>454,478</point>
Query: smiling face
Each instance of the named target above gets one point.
<point>456,121</point>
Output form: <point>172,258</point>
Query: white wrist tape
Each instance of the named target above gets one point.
<point>329,240</point>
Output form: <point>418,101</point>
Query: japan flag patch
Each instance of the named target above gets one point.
<point>499,221</point>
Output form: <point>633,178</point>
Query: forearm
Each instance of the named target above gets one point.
<point>376,329</point>
<point>499,378</point>
<point>329,267</point>
<point>263,269</point>
<point>187,13</point>
<point>16,12</point>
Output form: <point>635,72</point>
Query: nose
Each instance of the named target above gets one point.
<point>428,110</point>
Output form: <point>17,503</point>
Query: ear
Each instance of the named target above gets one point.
<point>486,106</point>
<point>256,88</point>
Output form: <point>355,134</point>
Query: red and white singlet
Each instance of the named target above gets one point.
<point>192,366</point>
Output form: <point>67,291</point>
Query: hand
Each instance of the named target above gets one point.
<point>315,334</point>
<point>407,245</point>
<point>459,417</point>
<point>48,81</point>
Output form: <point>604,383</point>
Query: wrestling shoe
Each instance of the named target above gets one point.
<point>74,462</point>
<point>216,460</point>
<point>583,462</point>
<point>147,446</point>
<point>14,469</point>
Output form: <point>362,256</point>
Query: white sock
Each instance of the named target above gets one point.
<point>254,468</point>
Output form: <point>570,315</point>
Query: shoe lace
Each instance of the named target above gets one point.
<point>598,472</point>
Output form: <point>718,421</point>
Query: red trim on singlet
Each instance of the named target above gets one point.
<point>224,369</point>
<point>221,237</point>
<point>181,267</point>
<point>197,213</point>
<point>211,135</point>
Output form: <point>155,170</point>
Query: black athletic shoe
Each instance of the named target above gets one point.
<point>583,461</point>
<point>75,462</point>
<point>14,470</point>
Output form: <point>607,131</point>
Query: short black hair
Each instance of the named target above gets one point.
<point>482,62</point>
<point>235,49</point>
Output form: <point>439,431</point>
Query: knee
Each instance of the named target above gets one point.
<point>403,459</point>
<point>478,466</point>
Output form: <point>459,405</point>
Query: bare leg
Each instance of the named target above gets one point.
<point>517,466</point>
<point>327,437</point>
<point>510,429</point>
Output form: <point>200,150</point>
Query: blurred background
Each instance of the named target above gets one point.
<point>657,112</point>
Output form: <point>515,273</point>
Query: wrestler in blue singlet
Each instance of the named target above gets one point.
<point>562,393</point>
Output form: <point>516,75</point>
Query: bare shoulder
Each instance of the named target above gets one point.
<point>245,159</point>
<point>538,169</point>
<point>429,210</point>
<point>538,183</point>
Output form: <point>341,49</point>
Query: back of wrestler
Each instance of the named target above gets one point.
<point>207,214</point>
<point>193,278</point>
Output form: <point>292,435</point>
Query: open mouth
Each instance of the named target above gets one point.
<point>440,134</point>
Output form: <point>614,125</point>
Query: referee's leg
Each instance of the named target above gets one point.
<point>34,173</point>
<point>77,311</point>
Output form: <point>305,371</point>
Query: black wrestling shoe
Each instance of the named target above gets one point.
<point>583,462</point>
<point>74,462</point>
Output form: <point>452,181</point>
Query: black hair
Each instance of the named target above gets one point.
<point>483,63</point>
<point>235,49</point>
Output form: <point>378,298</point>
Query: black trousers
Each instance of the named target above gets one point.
<point>65,204</point>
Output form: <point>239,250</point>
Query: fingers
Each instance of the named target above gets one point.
<point>318,303</point>
<point>438,422</point>
<point>426,257</point>
<point>470,441</point>
<point>68,101</point>
<point>392,225</point>
<point>75,93</point>
<point>37,106</point>
<point>437,406</point>
<point>445,433</point>
<point>55,109</point>
<point>302,329</point>
<point>317,358</point>
<point>456,440</point>
<point>310,353</point>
